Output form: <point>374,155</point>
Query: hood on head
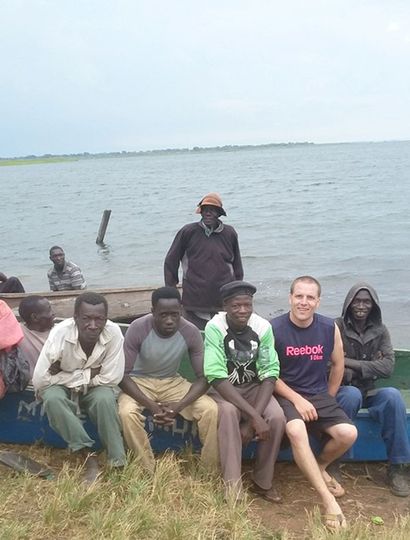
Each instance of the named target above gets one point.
<point>375,315</point>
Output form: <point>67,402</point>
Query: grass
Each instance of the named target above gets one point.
<point>360,530</point>
<point>180,502</point>
<point>33,161</point>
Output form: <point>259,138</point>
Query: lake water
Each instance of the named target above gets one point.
<point>339,212</point>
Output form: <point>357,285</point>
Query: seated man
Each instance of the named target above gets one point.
<point>369,356</point>
<point>14,367</point>
<point>64,275</point>
<point>38,320</point>
<point>79,366</point>
<point>154,348</point>
<point>242,365</point>
<point>306,342</point>
<point>10,285</point>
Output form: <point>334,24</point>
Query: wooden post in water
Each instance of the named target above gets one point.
<point>103,226</point>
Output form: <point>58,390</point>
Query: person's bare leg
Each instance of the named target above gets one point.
<point>305,460</point>
<point>342,437</point>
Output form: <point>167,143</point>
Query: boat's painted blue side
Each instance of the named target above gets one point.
<point>22,421</point>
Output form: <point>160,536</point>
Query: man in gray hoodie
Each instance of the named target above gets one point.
<point>369,356</point>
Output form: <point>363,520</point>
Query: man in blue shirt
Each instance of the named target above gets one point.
<point>306,342</point>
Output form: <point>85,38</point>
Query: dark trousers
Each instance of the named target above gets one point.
<point>197,321</point>
<point>12,284</point>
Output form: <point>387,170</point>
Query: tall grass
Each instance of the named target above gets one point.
<point>178,502</point>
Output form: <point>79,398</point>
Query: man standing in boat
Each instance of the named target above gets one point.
<point>155,346</point>
<point>306,343</point>
<point>369,356</point>
<point>242,365</point>
<point>78,368</point>
<point>64,275</point>
<point>210,257</point>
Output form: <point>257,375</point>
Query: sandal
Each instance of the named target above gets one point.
<point>270,495</point>
<point>22,463</point>
<point>335,488</point>
<point>91,471</point>
<point>334,522</point>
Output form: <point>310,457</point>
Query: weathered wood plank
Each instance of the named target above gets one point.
<point>123,303</point>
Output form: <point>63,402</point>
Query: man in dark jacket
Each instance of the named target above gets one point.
<point>10,284</point>
<point>369,356</point>
<point>209,252</point>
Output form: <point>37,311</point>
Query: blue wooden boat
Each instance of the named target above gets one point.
<point>22,421</point>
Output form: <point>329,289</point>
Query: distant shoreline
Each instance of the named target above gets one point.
<point>54,158</point>
<point>34,160</point>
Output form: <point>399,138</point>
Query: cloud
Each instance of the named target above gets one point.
<point>239,106</point>
<point>99,76</point>
<point>393,27</point>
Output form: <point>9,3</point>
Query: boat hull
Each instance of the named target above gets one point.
<point>124,304</point>
<point>22,421</point>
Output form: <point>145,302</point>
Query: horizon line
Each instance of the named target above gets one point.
<point>195,149</point>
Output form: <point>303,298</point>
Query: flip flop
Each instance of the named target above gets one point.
<point>334,487</point>
<point>334,522</point>
<point>270,495</point>
<point>22,463</point>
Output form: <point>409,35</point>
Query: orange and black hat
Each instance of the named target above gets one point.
<point>211,199</point>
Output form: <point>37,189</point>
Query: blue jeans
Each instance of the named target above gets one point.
<point>388,409</point>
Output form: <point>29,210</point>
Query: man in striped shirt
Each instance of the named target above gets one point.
<point>64,275</point>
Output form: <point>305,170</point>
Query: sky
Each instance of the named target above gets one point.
<point>101,76</point>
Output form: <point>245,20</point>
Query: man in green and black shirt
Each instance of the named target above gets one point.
<point>242,365</point>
